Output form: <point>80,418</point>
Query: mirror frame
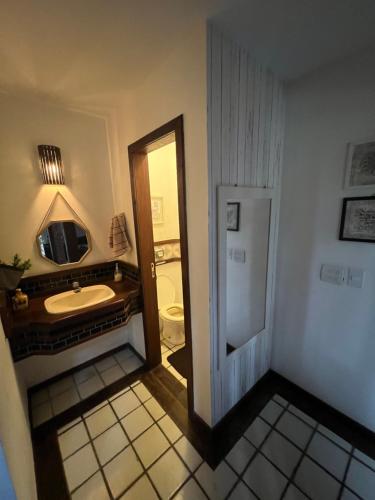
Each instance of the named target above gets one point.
<point>88,235</point>
<point>232,193</point>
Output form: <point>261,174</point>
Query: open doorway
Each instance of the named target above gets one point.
<point>157,170</point>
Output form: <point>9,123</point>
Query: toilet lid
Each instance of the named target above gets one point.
<point>165,289</point>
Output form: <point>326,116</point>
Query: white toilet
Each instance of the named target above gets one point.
<point>171,313</point>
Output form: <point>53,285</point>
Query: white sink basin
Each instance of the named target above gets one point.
<point>71,301</point>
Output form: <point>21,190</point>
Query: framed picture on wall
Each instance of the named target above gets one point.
<point>157,209</point>
<point>233,216</point>
<point>360,167</point>
<point>358,219</point>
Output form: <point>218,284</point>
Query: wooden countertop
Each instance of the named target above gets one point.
<point>37,316</point>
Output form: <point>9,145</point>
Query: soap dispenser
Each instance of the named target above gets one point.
<point>118,274</point>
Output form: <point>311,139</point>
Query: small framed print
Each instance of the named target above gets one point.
<point>233,216</point>
<point>360,167</point>
<point>157,209</point>
<point>358,219</point>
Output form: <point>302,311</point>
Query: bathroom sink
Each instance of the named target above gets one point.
<point>72,301</point>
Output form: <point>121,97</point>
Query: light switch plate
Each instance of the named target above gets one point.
<point>333,274</point>
<point>356,277</point>
<point>239,255</point>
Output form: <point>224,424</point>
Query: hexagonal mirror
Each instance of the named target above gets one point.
<point>64,242</point>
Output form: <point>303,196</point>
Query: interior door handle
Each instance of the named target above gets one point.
<point>152,270</point>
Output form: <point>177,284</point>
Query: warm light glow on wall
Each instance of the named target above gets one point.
<point>51,164</point>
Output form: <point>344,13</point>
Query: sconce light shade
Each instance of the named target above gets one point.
<point>51,164</point>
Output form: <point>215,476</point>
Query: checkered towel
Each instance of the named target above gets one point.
<point>118,235</point>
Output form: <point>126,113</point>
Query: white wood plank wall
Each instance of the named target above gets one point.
<point>245,141</point>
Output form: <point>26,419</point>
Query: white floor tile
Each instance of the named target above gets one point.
<point>183,381</point>
<point>151,445</point>
<point>80,466</point>
<point>294,429</point>
<point>348,495</point>
<point>216,483</point>
<point>365,458</point>
<point>105,363</point>
<point>174,372</point>
<point>241,492</point>
<point>335,438</point>
<point>137,422</point>
<point>280,400</point>
<point>271,412</point>
<point>154,409</point>
<point>124,354</point>
<point>302,415</point>
<point>93,489</point>
<point>164,348</point>
<point>257,431</point>
<point>131,364</point>
<point>39,397</point>
<point>190,491</point>
<point>169,428</point>
<point>361,479</point>
<point>95,409</point>
<point>264,479</point>
<point>60,386</point>
<point>122,471</point>
<point>328,455</point>
<point>69,425</point>
<point>111,442</point>
<point>240,455</point>
<point>141,490</point>
<point>315,482</point>
<point>125,404</point>
<point>73,439</point>
<point>281,452</point>
<point>112,374</point>
<point>120,393</point>
<point>90,386</point>
<point>142,392</point>
<point>293,493</point>
<point>42,413</point>
<point>65,400</point>
<point>84,374</point>
<point>188,453</point>
<point>101,420</point>
<point>168,473</point>
<point>164,356</point>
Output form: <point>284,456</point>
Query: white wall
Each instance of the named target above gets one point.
<point>14,426</point>
<point>178,86</point>
<point>24,200</point>
<point>162,170</point>
<point>324,334</point>
<point>246,127</point>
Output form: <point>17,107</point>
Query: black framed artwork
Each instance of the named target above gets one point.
<point>233,216</point>
<point>358,219</point>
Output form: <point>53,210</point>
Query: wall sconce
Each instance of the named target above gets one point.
<point>51,164</point>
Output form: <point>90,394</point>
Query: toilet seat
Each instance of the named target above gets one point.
<point>173,312</point>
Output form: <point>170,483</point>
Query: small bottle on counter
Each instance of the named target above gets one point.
<point>20,300</point>
<point>118,274</point>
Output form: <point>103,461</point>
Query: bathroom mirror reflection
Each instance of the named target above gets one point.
<point>64,242</point>
<point>245,230</point>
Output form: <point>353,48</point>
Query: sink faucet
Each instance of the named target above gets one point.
<point>76,287</point>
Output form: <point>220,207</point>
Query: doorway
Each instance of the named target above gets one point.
<point>157,171</point>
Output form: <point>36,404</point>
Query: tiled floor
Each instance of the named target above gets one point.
<point>61,395</point>
<point>166,350</point>
<point>128,448</point>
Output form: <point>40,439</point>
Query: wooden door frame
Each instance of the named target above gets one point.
<point>137,152</point>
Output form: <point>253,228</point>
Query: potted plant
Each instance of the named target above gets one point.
<point>11,274</point>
